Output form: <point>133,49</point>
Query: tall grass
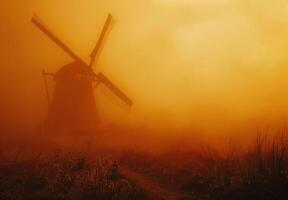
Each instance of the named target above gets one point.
<point>261,172</point>
<point>265,174</point>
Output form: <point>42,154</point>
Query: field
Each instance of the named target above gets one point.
<point>63,176</point>
<point>258,173</point>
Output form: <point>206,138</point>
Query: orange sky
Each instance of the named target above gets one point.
<point>206,64</point>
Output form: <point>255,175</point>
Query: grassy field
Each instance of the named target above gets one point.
<point>62,176</point>
<point>261,172</point>
<point>258,173</point>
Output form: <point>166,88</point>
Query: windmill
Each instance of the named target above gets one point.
<point>72,107</point>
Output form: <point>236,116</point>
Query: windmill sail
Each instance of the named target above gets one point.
<point>95,51</point>
<point>103,79</point>
<point>37,21</point>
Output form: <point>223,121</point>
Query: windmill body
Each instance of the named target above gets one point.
<point>73,107</point>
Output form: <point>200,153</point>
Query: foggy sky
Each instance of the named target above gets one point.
<point>192,63</point>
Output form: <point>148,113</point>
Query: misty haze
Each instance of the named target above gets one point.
<point>151,99</point>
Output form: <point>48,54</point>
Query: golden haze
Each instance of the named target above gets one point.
<point>210,65</point>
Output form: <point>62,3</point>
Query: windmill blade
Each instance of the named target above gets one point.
<point>103,79</point>
<point>95,51</point>
<point>37,21</point>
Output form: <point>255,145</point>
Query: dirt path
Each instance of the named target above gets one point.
<point>152,188</point>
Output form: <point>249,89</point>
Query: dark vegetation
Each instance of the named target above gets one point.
<point>259,173</point>
<point>63,176</point>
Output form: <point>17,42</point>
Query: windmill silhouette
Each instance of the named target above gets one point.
<point>73,107</point>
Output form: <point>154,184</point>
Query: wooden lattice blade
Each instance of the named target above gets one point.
<point>103,79</point>
<point>95,51</point>
<point>37,21</point>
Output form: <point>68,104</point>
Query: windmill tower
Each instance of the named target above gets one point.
<point>73,107</point>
